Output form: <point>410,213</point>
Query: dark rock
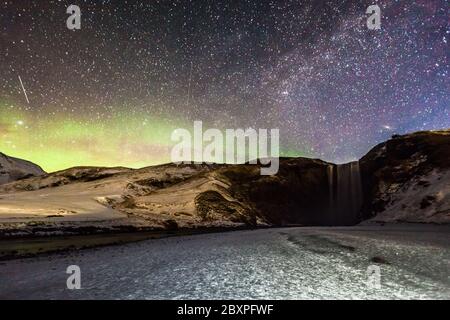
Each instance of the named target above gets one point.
<point>427,201</point>
<point>171,225</point>
<point>379,260</point>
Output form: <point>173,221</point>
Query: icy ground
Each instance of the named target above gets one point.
<point>292,263</point>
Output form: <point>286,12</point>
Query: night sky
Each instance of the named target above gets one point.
<point>111,93</point>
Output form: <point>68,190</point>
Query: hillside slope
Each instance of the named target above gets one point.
<point>12,169</point>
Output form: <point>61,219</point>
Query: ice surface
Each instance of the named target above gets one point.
<point>292,263</point>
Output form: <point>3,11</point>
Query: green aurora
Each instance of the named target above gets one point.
<point>56,142</point>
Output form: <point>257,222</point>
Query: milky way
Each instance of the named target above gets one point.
<point>112,92</point>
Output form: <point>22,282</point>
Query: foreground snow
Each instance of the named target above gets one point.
<point>294,263</point>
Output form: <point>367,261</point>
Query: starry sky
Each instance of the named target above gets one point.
<point>112,93</point>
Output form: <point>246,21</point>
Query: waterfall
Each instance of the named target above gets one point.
<point>330,170</point>
<point>357,193</point>
<point>346,198</point>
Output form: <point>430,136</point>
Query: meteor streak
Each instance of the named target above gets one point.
<point>24,91</point>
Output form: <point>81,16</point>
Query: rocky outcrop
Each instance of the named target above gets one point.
<point>61,178</point>
<point>407,179</point>
<point>12,169</point>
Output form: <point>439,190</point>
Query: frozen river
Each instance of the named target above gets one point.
<point>291,263</point>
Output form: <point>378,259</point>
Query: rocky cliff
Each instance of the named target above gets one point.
<point>407,179</point>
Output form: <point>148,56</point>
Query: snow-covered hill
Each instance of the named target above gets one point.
<point>12,169</point>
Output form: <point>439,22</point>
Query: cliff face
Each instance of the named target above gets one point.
<point>298,194</point>
<point>12,169</point>
<point>407,179</point>
<point>227,195</point>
